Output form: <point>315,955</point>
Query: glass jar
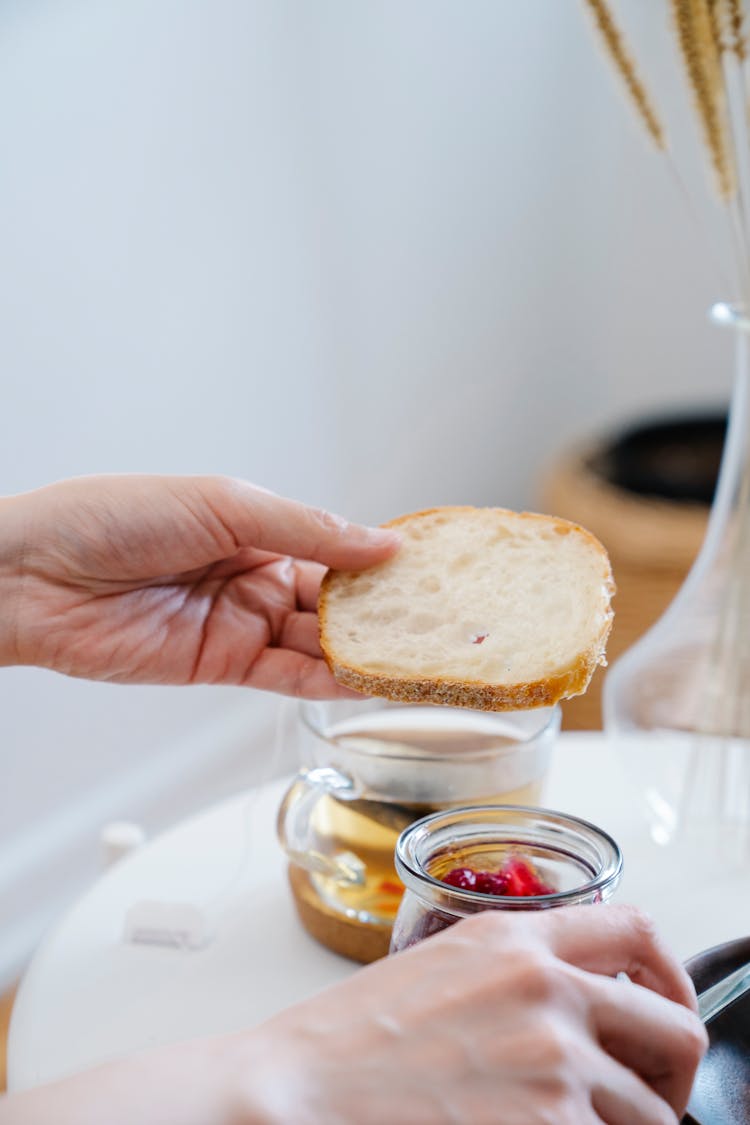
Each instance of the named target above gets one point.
<point>575,861</point>
<point>371,769</point>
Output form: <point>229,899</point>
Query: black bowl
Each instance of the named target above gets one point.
<point>672,458</point>
<point>721,1094</point>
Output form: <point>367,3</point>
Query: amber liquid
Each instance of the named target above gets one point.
<point>369,830</point>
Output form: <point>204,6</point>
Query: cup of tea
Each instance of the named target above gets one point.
<point>371,768</point>
<point>461,861</point>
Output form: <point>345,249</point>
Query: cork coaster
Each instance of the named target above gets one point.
<point>355,940</point>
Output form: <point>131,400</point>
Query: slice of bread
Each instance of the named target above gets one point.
<point>480,607</point>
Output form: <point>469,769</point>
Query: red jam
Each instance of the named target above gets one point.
<point>516,878</point>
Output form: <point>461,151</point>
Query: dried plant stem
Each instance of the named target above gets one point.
<point>712,43</point>
<point>716,14</point>
<point>740,139</point>
<point>736,18</point>
<point>726,710</point>
<point>728,25</point>
<point>702,41</point>
<point>702,66</point>
<point>735,42</point>
<point>724,278</point>
<point>616,49</point>
<point>727,21</point>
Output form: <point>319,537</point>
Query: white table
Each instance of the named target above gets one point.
<point>88,995</point>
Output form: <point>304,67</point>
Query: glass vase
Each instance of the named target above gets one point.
<point>677,704</point>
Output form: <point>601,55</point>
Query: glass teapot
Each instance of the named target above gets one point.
<point>371,768</point>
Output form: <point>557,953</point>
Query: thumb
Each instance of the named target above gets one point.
<point>262,519</point>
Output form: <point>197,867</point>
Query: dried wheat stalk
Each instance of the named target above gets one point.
<point>711,36</point>
<point>736,18</point>
<point>716,12</point>
<point>702,59</point>
<point>614,45</point>
<point>704,34</point>
<point>728,24</point>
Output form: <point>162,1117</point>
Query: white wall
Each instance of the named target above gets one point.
<point>373,255</point>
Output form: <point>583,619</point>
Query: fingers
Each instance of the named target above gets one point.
<point>136,526</point>
<point>613,939</point>
<point>300,633</point>
<point>294,673</point>
<point>661,1041</point>
<point>309,577</point>
<point>657,1039</point>
<point>261,519</point>
<point>620,1097</point>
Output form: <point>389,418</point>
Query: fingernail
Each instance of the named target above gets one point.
<point>383,535</point>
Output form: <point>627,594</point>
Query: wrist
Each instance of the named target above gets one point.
<point>266,1079</point>
<point>188,1082</point>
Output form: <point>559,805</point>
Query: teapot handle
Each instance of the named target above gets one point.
<point>297,835</point>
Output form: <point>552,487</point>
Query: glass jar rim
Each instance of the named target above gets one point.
<point>418,879</point>
<point>548,727</point>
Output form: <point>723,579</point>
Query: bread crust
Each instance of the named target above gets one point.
<point>478,695</point>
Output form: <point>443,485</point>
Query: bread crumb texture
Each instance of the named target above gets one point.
<point>481,607</point>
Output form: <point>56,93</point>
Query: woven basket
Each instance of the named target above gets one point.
<point>651,542</point>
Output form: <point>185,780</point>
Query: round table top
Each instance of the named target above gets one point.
<point>89,994</point>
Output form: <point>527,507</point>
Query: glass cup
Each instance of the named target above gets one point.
<point>371,769</point>
<point>574,860</point>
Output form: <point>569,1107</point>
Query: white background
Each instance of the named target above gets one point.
<point>375,255</point>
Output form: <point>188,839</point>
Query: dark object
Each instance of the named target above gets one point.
<point>672,458</point>
<point>721,1094</point>
<point>433,922</point>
